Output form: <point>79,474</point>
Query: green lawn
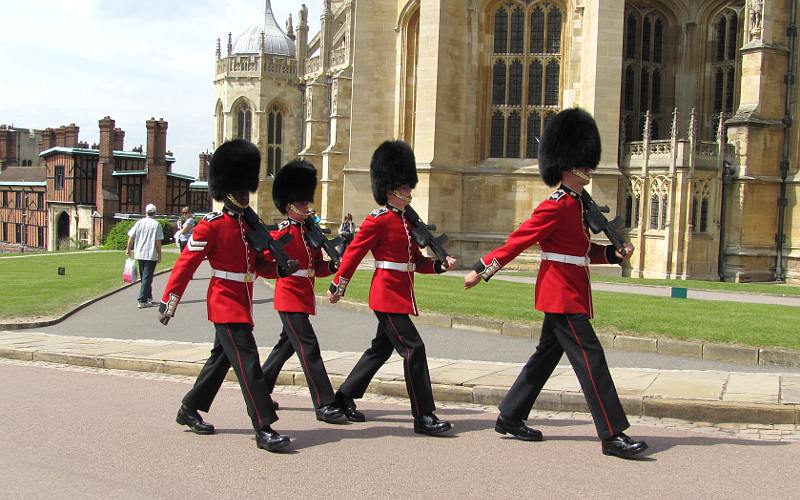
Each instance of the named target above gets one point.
<point>712,321</point>
<point>767,288</point>
<point>761,288</point>
<point>33,288</point>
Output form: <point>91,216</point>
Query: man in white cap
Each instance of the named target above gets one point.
<point>144,245</point>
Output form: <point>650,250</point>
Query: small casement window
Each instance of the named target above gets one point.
<point>631,212</point>
<point>274,140</point>
<point>655,203</point>
<point>700,216</point>
<point>244,122</point>
<point>59,177</point>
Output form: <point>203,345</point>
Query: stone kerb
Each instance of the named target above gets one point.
<point>696,396</point>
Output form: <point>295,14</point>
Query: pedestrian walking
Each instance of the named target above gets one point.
<point>385,232</point>
<point>292,193</point>
<point>221,237</point>
<point>569,151</point>
<point>186,226</point>
<point>144,245</point>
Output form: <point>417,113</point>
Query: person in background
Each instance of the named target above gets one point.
<point>185,228</point>
<point>347,230</point>
<point>144,245</point>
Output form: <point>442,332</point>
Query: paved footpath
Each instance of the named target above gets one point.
<point>79,432</point>
<point>466,366</point>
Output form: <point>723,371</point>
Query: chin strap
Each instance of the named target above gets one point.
<point>235,203</point>
<point>301,212</point>
<point>401,197</point>
<point>577,173</point>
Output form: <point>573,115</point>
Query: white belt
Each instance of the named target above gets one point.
<point>240,277</point>
<point>577,260</point>
<point>395,266</point>
<point>304,273</point>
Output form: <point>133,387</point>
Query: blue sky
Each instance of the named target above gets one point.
<point>81,60</point>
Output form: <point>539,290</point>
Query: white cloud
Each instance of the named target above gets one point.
<point>78,61</point>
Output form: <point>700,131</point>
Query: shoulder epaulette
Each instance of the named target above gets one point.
<point>211,216</point>
<point>379,211</point>
<point>283,225</point>
<point>557,195</point>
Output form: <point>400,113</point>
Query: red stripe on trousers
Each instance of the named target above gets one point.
<point>596,392</point>
<point>244,379</point>
<point>408,366</point>
<point>302,356</point>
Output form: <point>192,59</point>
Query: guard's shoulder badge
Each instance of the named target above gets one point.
<point>379,211</point>
<point>557,195</point>
<point>283,225</point>
<point>211,216</point>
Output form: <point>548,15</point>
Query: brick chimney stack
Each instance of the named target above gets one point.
<point>61,136</point>
<point>202,167</point>
<point>71,132</point>
<point>107,140</point>
<point>106,187</point>
<point>8,147</point>
<point>155,185</point>
<point>156,141</point>
<point>119,139</point>
<point>48,139</point>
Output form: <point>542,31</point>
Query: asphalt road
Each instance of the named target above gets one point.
<point>71,432</point>
<point>338,329</point>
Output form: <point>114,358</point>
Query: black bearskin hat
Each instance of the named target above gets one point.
<point>392,165</point>
<point>296,181</point>
<point>570,140</point>
<point>233,168</point>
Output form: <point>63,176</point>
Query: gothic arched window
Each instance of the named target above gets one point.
<point>723,68</point>
<point>274,139</point>
<point>244,122</point>
<point>526,64</point>
<point>644,71</point>
<point>219,133</point>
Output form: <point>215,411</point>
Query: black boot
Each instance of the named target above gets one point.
<point>517,428</point>
<point>348,408</point>
<point>331,414</point>
<point>192,419</point>
<point>622,446</point>
<point>270,440</point>
<point>430,425</point>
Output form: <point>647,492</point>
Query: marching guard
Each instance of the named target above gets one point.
<point>221,237</point>
<point>569,151</point>
<point>292,193</point>
<point>386,232</point>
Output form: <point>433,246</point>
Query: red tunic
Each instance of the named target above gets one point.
<point>557,226</point>
<point>385,232</point>
<point>220,238</point>
<point>296,293</point>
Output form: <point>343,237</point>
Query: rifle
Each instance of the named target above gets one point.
<point>422,235</point>
<point>593,215</point>
<point>317,239</point>
<point>259,236</point>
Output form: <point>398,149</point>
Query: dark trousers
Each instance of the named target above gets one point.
<point>146,270</point>
<point>234,345</point>
<point>395,331</point>
<point>298,337</point>
<point>571,334</point>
